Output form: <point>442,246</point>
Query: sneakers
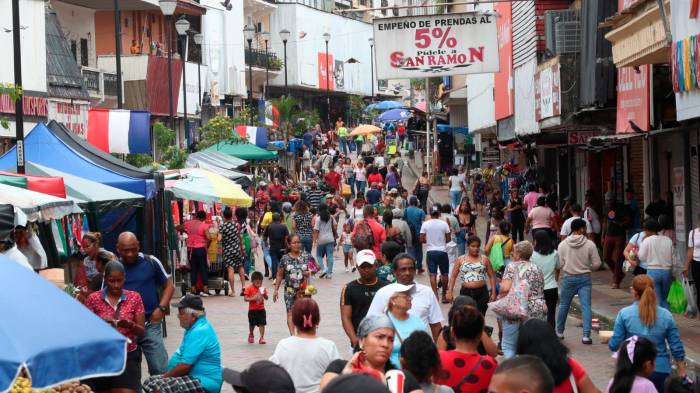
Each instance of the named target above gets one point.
<point>354,269</point>
<point>251,339</point>
<point>322,274</point>
<point>587,341</point>
<point>347,269</point>
<point>560,336</point>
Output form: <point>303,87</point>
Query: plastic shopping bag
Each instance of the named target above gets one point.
<point>496,255</point>
<point>676,298</point>
<point>691,310</point>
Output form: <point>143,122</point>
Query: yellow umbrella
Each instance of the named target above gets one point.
<point>202,185</point>
<point>365,129</point>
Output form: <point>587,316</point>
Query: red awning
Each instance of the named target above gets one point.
<point>51,185</point>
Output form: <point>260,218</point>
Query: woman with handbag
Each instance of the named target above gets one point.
<point>294,272</point>
<point>521,297</point>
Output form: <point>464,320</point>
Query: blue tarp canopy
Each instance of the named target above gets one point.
<point>56,338</point>
<point>41,146</point>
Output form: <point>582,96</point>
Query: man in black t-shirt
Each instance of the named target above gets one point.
<point>614,240</point>
<point>276,235</point>
<point>357,295</point>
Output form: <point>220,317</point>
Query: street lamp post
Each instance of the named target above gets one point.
<point>248,31</point>
<point>183,26</point>
<point>19,109</point>
<point>284,35</point>
<point>167,7</point>
<point>266,36</point>
<point>327,37</point>
<point>198,38</point>
<point>371,63</point>
<point>118,51</point>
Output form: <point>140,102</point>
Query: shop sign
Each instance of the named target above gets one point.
<point>436,45</point>
<point>324,60</point>
<point>547,90</point>
<point>339,75</point>
<point>583,137</point>
<point>679,219</point>
<point>633,98</point>
<point>503,80</point>
<point>73,115</point>
<point>33,106</point>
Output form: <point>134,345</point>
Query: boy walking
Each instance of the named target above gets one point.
<point>255,294</point>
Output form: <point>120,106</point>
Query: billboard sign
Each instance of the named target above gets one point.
<point>633,98</point>
<point>436,45</point>
<point>503,80</point>
<point>547,90</point>
<point>325,77</point>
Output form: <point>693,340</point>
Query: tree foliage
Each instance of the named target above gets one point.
<point>15,93</point>
<point>221,129</point>
<point>288,109</point>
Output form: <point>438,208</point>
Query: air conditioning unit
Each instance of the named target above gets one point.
<point>567,37</point>
<point>570,28</point>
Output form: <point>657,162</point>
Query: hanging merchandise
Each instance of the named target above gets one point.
<point>59,238</point>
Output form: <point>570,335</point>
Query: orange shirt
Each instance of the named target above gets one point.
<point>252,290</point>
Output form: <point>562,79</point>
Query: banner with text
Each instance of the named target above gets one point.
<point>633,98</point>
<point>436,45</point>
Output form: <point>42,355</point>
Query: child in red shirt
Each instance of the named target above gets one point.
<point>255,294</point>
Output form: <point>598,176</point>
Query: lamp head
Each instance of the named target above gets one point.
<point>167,7</point>
<point>265,35</point>
<point>198,38</point>
<point>249,32</point>
<point>326,37</point>
<point>182,26</point>
<point>284,35</point>
<point>371,41</point>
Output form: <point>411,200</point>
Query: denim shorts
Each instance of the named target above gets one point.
<point>347,248</point>
<point>438,259</point>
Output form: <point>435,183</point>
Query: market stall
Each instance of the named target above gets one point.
<point>216,158</point>
<point>37,206</point>
<point>29,348</point>
<point>208,187</point>
<point>244,151</point>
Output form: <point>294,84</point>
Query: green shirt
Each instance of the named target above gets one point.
<point>342,131</point>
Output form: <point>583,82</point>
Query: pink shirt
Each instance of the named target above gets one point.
<point>541,217</point>
<point>530,200</point>
<point>196,233</point>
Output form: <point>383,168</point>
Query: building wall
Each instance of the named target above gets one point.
<point>78,23</point>
<point>33,44</point>
<point>224,47</point>
<point>135,25</point>
<point>348,37</point>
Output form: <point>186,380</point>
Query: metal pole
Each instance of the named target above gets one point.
<point>118,50</point>
<point>171,110</point>
<point>426,164</point>
<point>19,109</point>
<point>286,87</point>
<point>250,80</point>
<point>267,72</point>
<point>184,90</point>
<point>328,97</point>
<point>199,87</point>
<point>371,67</point>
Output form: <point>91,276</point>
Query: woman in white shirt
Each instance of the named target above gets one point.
<point>657,252</point>
<point>692,260</point>
<point>305,356</point>
<point>360,177</point>
<point>456,188</point>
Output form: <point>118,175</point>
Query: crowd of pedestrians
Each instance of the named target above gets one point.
<point>356,204</point>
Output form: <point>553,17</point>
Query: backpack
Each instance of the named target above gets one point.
<point>363,238</point>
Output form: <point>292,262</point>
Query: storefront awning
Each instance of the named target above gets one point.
<point>638,37</point>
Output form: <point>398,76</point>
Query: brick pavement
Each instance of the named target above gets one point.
<point>229,318</point>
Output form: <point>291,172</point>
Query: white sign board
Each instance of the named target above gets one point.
<point>436,45</point>
<point>73,115</point>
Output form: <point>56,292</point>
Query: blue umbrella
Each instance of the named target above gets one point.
<point>394,115</point>
<point>45,330</point>
<point>370,107</point>
<point>386,105</point>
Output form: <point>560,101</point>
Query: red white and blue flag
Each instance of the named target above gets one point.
<point>119,131</point>
<point>255,135</point>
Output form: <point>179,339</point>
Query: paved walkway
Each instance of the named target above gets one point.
<point>229,318</point>
<point>607,302</point>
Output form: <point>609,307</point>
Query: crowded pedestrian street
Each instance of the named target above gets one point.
<point>350,196</point>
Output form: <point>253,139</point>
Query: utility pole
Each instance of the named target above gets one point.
<point>118,50</point>
<point>19,109</point>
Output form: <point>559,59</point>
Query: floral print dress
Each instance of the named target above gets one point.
<point>294,279</point>
<point>530,273</point>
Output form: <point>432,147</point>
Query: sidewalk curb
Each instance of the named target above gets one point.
<point>691,359</point>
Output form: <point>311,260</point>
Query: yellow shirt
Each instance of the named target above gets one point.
<point>506,243</point>
<point>266,220</point>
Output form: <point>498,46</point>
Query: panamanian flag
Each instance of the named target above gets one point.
<point>255,135</point>
<point>119,131</point>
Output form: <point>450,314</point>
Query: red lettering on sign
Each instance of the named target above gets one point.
<point>33,106</point>
<point>476,53</point>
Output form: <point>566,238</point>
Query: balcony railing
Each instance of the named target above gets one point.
<point>256,58</point>
<point>99,83</point>
<point>92,80</point>
<point>110,84</point>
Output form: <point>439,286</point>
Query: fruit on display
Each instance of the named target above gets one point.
<point>24,385</point>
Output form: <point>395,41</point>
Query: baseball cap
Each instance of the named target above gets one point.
<point>435,208</point>
<point>190,301</point>
<point>261,377</point>
<point>393,191</point>
<point>355,383</point>
<point>365,256</point>
<point>396,287</point>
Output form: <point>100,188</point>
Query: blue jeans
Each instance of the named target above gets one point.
<point>510,338</point>
<point>417,252</point>
<point>343,145</point>
<point>361,186</point>
<point>568,287</point>
<point>153,348</point>
<point>307,243</point>
<point>455,197</point>
<point>461,242</point>
<point>325,250</point>
<point>266,255</point>
<point>662,284</point>
<point>351,183</point>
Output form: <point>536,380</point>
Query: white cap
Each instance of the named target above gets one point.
<point>396,287</point>
<point>365,256</point>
